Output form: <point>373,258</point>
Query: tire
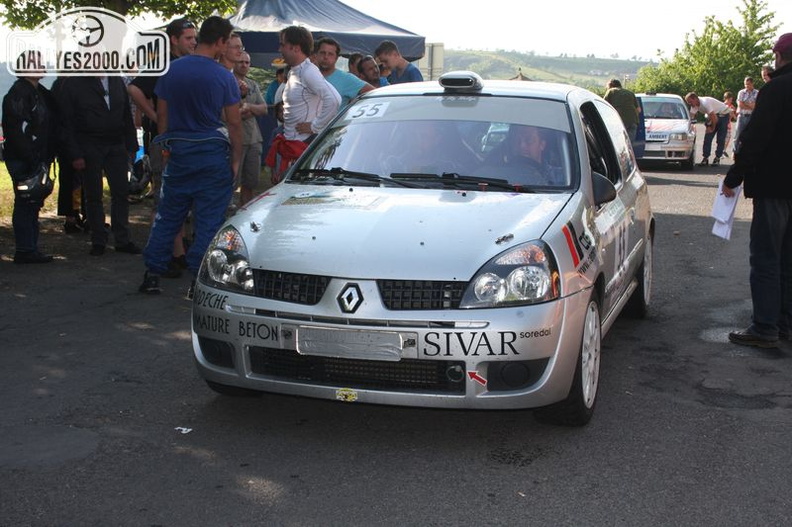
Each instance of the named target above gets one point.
<point>688,163</point>
<point>232,391</point>
<point>578,407</point>
<point>638,305</point>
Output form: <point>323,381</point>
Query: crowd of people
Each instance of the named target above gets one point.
<point>201,136</point>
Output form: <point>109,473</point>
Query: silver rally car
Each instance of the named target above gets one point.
<point>413,256</point>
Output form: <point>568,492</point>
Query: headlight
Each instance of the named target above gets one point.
<point>526,274</point>
<point>226,263</point>
<point>678,137</point>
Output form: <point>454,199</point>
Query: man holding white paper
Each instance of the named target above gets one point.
<point>762,163</point>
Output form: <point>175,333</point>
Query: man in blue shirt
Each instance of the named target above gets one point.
<point>347,85</point>
<point>401,70</point>
<point>370,72</point>
<point>204,152</point>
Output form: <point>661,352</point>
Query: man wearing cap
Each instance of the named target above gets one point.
<point>762,164</point>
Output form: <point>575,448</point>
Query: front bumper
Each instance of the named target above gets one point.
<point>519,357</point>
<point>667,150</point>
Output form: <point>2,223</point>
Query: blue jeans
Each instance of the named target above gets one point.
<point>198,177</point>
<point>771,266</point>
<point>742,122</point>
<point>25,216</point>
<point>720,131</point>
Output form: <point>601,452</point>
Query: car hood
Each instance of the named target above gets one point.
<point>361,232</point>
<point>667,125</point>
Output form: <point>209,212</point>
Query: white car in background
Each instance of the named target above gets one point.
<point>670,132</point>
<point>410,257</point>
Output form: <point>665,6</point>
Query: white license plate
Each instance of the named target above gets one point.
<point>656,137</point>
<point>355,344</point>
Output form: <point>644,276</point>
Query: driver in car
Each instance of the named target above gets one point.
<point>526,156</point>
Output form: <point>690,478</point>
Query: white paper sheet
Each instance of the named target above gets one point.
<point>723,211</point>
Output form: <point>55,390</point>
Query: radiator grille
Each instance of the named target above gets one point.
<point>408,375</point>
<point>414,295</point>
<point>290,287</point>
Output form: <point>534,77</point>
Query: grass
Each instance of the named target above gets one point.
<point>7,197</point>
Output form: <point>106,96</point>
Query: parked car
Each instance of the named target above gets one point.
<point>407,260</point>
<point>670,132</point>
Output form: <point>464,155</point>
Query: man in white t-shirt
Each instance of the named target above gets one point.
<point>717,116</point>
<point>309,101</point>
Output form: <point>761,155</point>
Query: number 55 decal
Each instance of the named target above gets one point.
<point>368,111</point>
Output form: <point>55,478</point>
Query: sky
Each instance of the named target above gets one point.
<point>575,27</point>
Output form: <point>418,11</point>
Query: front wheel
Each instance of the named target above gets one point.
<point>578,407</point>
<point>689,163</point>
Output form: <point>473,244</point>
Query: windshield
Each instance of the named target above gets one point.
<point>664,108</point>
<point>484,143</point>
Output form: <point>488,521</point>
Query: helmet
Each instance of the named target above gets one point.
<point>35,188</point>
<point>140,176</point>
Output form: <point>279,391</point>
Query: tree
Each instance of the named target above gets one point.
<point>27,14</point>
<point>718,59</point>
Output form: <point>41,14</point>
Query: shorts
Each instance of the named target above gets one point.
<point>249,166</point>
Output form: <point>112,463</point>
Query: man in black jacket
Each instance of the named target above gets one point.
<point>99,135</point>
<point>762,163</point>
<point>29,127</point>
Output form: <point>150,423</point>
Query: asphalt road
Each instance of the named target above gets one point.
<point>105,421</point>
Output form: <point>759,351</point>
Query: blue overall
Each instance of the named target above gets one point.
<point>198,177</point>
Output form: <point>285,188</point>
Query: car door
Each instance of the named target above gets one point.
<point>613,222</point>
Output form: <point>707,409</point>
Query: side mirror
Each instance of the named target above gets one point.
<point>604,190</point>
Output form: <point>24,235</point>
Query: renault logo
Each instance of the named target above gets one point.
<point>350,298</point>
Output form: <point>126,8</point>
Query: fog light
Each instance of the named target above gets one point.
<point>217,352</point>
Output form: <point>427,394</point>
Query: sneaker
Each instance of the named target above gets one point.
<point>71,227</point>
<point>34,257</point>
<point>180,262</point>
<point>151,284</point>
<point>747,338</point>
<point>97,250</point>
<point>716,162</point>
<point>704,162</point>
<point>173,271</point>
<point>129,248</point>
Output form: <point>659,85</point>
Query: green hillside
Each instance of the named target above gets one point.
<point>587,72</point>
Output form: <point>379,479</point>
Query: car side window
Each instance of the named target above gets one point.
<point>602,158</point>
<point>619,138</point>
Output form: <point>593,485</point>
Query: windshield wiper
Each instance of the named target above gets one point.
<point>341,176</point>
<point>455,180</point>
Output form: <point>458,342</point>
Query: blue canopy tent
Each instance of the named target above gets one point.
<point>260,21</point>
